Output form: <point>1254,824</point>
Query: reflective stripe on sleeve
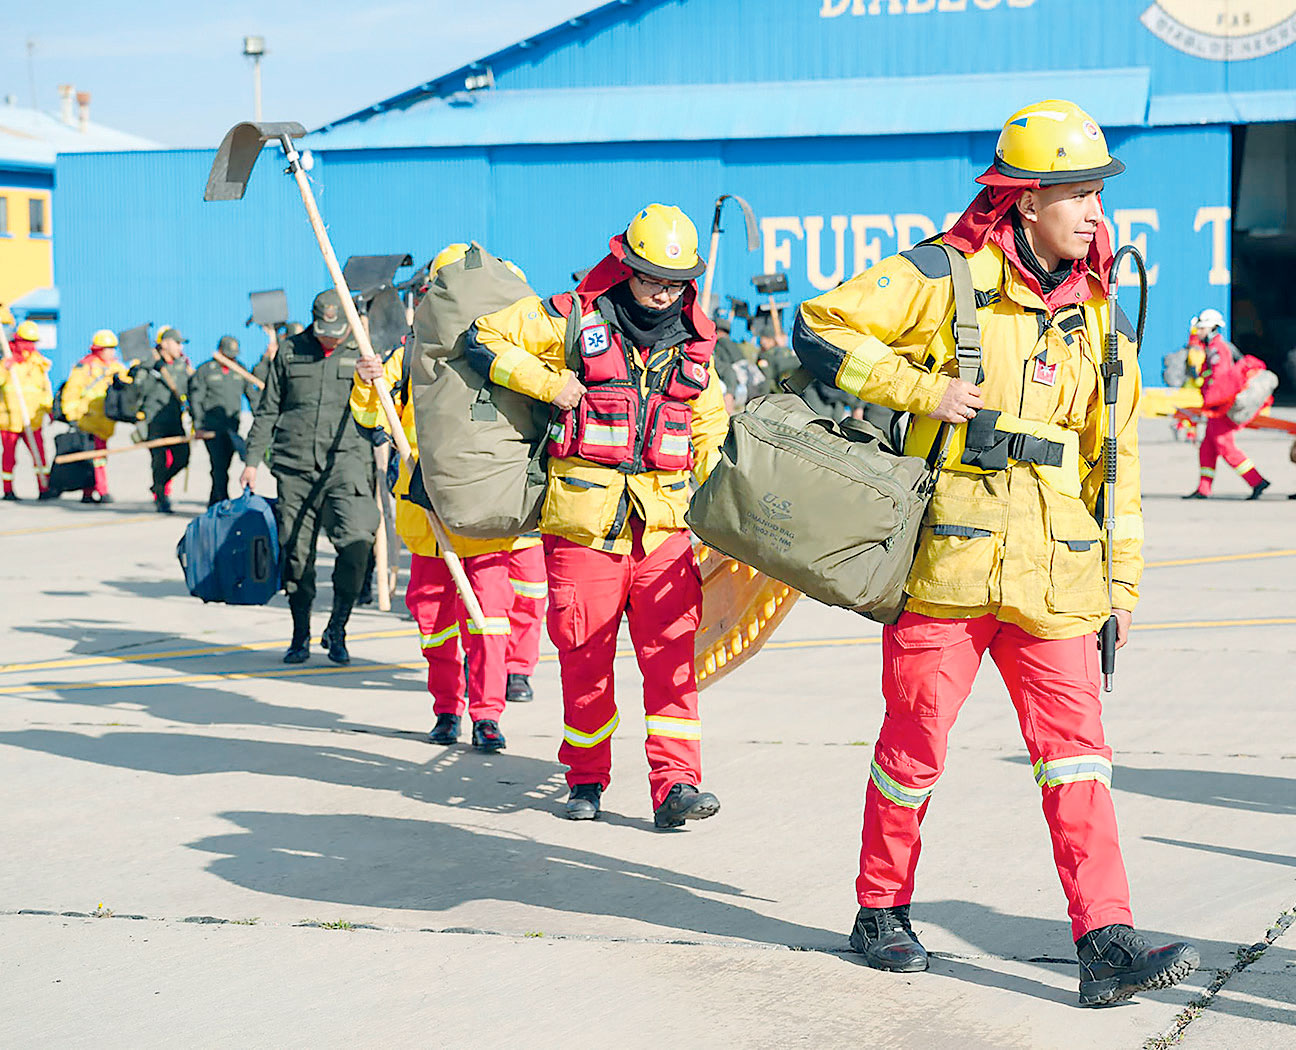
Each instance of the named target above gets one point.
<point>1069,770</point>
<point>434,641</point>
<point>578,739</point>
<point>897,793</point>
<point>1128,527</point>
<point>854,372</point>
<point>529,588</point>
<point>501,369</point>
<point>674,728</point>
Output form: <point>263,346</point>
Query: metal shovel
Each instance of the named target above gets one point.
<point>228,180</point>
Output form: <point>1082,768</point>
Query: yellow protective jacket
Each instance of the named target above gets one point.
<point>31,377</point>
<point>1020,542</point>
<point>83,394</point>
<point>412,523</point>
<point>523,346</point>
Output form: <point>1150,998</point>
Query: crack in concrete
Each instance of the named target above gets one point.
<point>1245,957</point>
<point>477,931</point>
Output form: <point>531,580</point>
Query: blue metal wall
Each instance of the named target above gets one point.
<point>136,243</point>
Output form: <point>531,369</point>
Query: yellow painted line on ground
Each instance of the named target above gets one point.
<point>1219,557</point>
<point>99,523</point>
<point>301,672</point>
<point>183,654</point>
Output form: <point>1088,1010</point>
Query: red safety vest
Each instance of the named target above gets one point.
<point>616,423</point>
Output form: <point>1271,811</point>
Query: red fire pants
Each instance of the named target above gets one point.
<point>661,593</point>
<point>928,666</point>
<point>1218,442</point>
<point>9,441</point>
<point>100,486</point>
<point>527,575</point>
<point>443,622</point>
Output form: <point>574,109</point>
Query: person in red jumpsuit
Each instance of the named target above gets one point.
<point>1224,378</point>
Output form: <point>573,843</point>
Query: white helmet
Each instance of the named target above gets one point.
<point>1210,319</point>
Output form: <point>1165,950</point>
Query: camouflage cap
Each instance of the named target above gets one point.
<point>170,333</point>
<point>326,312</point>
<point>228,345</point>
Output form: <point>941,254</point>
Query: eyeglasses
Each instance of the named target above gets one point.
<point>674,289</point>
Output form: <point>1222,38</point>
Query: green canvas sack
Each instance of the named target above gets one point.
<point>480,445</point>
<point>831,509</point>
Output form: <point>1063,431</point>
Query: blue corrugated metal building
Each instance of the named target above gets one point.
<point>854,127</point>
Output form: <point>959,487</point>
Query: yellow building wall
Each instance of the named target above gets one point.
<point>26,260</point>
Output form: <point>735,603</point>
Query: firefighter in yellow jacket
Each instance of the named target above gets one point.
<point>1010,558</point>
<point>640,407</point>
<point>431,595</point>
<point>25,402</point>
<point>83,403</point>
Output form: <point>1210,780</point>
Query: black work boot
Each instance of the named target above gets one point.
<point>517,689</point>
<point>1258,490</point>
<point>487,736</point>
<point>299,648</point>
<point>886,940</point>
<point>334,637</point>
<point>685,802</point>
<point>584,801</point>
<point>12,497</point>
<point>446,730</point>
<point>1116,962</point>
<point>162,503</point>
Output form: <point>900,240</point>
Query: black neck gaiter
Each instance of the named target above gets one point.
<point>647,328</point>
<point>1048,279</point>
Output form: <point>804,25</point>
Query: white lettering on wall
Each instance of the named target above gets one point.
<point>814,251</point>
<point>1126,220</point>
<point>868,251</point>
<point>1218,217</point>
<point>828,255</point>
<point>905,226</point>
<point>778,254</point>
<point>837,8</point>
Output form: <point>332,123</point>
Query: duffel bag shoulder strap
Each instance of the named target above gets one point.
<point>967,343</point>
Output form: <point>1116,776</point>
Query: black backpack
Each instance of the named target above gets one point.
<point>56,410</point>
<point>123,399</point>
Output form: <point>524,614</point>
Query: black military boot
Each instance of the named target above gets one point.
<point>584,801</point>
<point>334,637</point>
<point>446,730</point>
<point>886,940</point>
<point>1116,962</point>
<point>685,802</point>
<point>517,689</point>
<point>487,736</point>
<point>299,648</point>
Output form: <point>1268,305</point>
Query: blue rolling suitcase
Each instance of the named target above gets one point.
<point>231,553</point>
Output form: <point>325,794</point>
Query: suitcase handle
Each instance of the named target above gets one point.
<point>260,559</point>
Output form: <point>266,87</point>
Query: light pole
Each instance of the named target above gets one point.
<point>254,48</point>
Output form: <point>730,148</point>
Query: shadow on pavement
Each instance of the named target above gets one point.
<point>385,862</point>
<point>1226,851</point>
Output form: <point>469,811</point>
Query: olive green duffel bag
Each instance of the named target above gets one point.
<point>827,508</point>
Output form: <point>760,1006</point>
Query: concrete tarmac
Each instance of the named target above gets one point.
<point>205,847</point>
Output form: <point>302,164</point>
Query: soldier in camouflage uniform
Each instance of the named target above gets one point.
<point>216,395</point>
<point>164,387</point>
<point>324,467</point>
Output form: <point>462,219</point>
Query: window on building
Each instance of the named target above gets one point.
<point>4,216</point>
<point>37,223</point>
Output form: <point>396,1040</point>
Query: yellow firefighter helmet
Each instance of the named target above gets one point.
<point>1055,142</point>
<point>104,339</point>
<point>662,241</point>
<point>450,253</point>
<point>28,331</point>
